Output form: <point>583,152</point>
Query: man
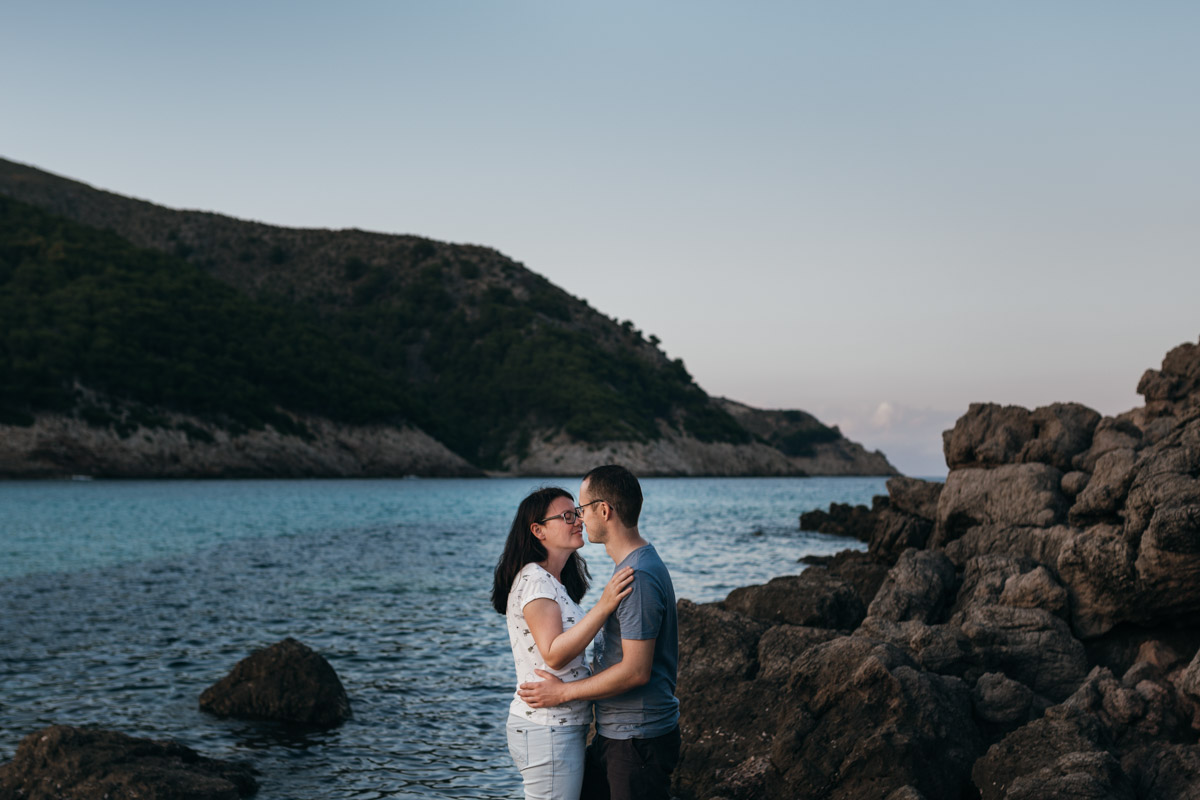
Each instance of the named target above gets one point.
<point>637,715</point>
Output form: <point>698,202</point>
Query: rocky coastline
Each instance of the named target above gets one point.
<point>183,446</point>
<point>1028,629</point>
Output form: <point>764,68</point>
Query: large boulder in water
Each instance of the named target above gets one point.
<point>286,682</point>
<point>68,763</point>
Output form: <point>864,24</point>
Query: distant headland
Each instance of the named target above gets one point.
<point>141,341</point>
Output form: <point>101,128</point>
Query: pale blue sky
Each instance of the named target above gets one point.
<point>875,211</point>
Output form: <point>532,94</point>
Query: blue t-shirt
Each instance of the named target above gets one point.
<point>647,613</point>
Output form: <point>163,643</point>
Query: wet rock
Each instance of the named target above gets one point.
<point>914,496</point>
<point>286,682</point>
<point>841,519</point>
<point>813,598</point>
<point>1016,495</point>
<point>917,588</point>
<point>68,763</point>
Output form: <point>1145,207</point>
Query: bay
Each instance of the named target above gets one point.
<point>120,602</point>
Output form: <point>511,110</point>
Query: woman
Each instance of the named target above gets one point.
<point>538,584</point>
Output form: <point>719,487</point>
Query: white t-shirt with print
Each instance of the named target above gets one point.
<point>534,582</point>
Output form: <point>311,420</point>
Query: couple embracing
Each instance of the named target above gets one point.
<point>538,584</point>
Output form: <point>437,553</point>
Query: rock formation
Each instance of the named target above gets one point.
<point>66,763</point>
<point>188,447</point>
<point>1026,630</point>
<point>286,682</point>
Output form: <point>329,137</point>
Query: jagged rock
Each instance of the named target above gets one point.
<point>1061,432</point>
<point>780,648</point>
<point>813,598</point>
<point>842,519</point>
<point>1104,496</point>
<point>68,763</point>
<point>914,496</point>
<point>1165,771</point>
<point>1073,483</point>
<point>1015,495</point>
<point>855,567</point>
<point>1112,433</point>
<point>1179,378</point>
<point>1052,758</point>
<point>917,588</point>
<point>715,644</point>
<point>1027,644</point>
<point>906,793</point>
<point>1042,545</point>
<point>943,649</point>
<point>895,532</point>
<point>1149,569</point>
<point>1002,701</point>
<point>983,581</point>
<point>989,435</point>
<point>872,723</point>
<point>287,682</point>
<point>1035,589</point>
<point>1096,566</point>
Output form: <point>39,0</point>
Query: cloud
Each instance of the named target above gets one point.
<point>910,436</point>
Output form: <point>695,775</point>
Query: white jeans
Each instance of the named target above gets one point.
<point>550,758</point>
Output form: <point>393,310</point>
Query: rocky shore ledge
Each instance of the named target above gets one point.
<point>1026,630</point>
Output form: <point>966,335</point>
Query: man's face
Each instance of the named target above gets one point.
<point>593,522</point>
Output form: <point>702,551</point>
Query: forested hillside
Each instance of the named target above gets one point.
<point>114,310</point>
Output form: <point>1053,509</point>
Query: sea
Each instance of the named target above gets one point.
<point>121,601</point>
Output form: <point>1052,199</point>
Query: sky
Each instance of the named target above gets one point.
<point>878,212</point>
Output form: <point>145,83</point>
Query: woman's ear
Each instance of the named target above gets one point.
<point>534,530</point>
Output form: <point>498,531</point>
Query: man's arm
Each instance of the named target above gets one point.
<point>631,671</point>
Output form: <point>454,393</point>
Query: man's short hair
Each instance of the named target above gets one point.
<point>619,488</point>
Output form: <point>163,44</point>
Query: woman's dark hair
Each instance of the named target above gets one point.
<point>522,547</point>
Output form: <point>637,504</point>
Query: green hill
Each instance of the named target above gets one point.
<point>119,312</point>
<point>479,370</point>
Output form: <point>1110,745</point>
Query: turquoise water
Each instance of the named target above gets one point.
<point>121,601</point>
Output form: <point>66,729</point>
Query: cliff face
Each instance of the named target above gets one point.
<point>358,333</point>
<point>1028,629</point>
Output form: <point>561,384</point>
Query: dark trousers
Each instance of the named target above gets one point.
<point>630,769</point>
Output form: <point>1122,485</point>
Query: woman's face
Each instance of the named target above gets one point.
<point>557,534</point>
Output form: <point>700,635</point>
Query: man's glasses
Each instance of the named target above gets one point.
<point>570,515</point>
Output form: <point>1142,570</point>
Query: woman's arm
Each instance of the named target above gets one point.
<point>557,646</point>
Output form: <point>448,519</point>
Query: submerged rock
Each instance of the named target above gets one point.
<point>67,763</point>
<point>286,682</point>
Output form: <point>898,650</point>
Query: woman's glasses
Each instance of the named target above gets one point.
<point>571,514</point>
